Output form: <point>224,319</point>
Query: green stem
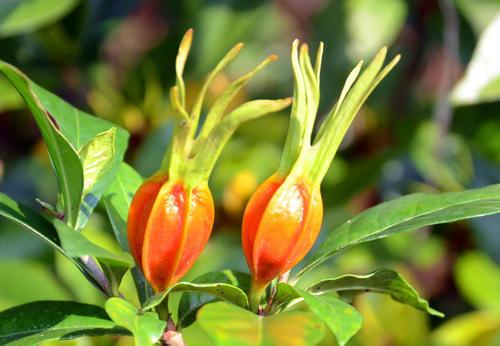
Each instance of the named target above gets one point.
<point>255,295</point>
<point>162,310</point>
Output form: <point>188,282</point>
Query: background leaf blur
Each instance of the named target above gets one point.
<point>432,126</point>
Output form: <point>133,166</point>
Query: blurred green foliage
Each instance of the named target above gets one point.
<point>433,126</point>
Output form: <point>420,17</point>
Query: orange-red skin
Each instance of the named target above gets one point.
<point>280,225</point>
<point>138,214</point>
<point>168,227</point>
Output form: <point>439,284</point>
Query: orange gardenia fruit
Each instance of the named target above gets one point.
<point>281,223</point>
<point>168,227</point>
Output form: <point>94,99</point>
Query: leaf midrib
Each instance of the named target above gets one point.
<point>67,194</point>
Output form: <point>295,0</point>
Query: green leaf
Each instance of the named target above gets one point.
<point>480,82</point>
<point>117,201</point>
<point>35,322</point>
<point>191,302</point>
<point>406,214</point>
<point>343,319</point>
<point>68,131</point>
<point>144,289</point>
<point>29,219</point>
<point>35,223</point>
<point>76,245</point>
<point>478,279</point>
<point>146,327</point>
<point>64,158</point>
<point>229,325</point>
<point>220,290</point>
<point>380,281</point>
<point>97,160</point>
<point>194,335</point>
<point>22,16</point>
<point>101,146</point>
<point>284,295</point>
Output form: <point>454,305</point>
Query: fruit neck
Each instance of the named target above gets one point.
<point>255,295</point>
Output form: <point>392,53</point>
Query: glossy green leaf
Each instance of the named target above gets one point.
<point>117,200</point>
<point>478,279</point>
<point>76,245</point>
<point>191,302</point>
<point>64,158</point>
<point>343,319</point>
<point>35,223</point>
<point>229,325</point>
<point>480,82</point>
<point>406,214</point>
<point>223,291</point>
<point>284,295</point>
<point>146,327</point>
<point>74,139</point>
<point>28,219</point>
<point>97,160</point>
<point>194,335</point>
<point>22,16</point>
<point>380,281</point>
<point>32,323</point>
<point>144,289</point>
<point>101,146</point>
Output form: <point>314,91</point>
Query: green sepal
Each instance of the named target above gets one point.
<point>354,94</point>
<point>192,156</point>
<point>307,157</point>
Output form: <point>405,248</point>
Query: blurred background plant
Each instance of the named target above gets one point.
<point>433,126</point>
